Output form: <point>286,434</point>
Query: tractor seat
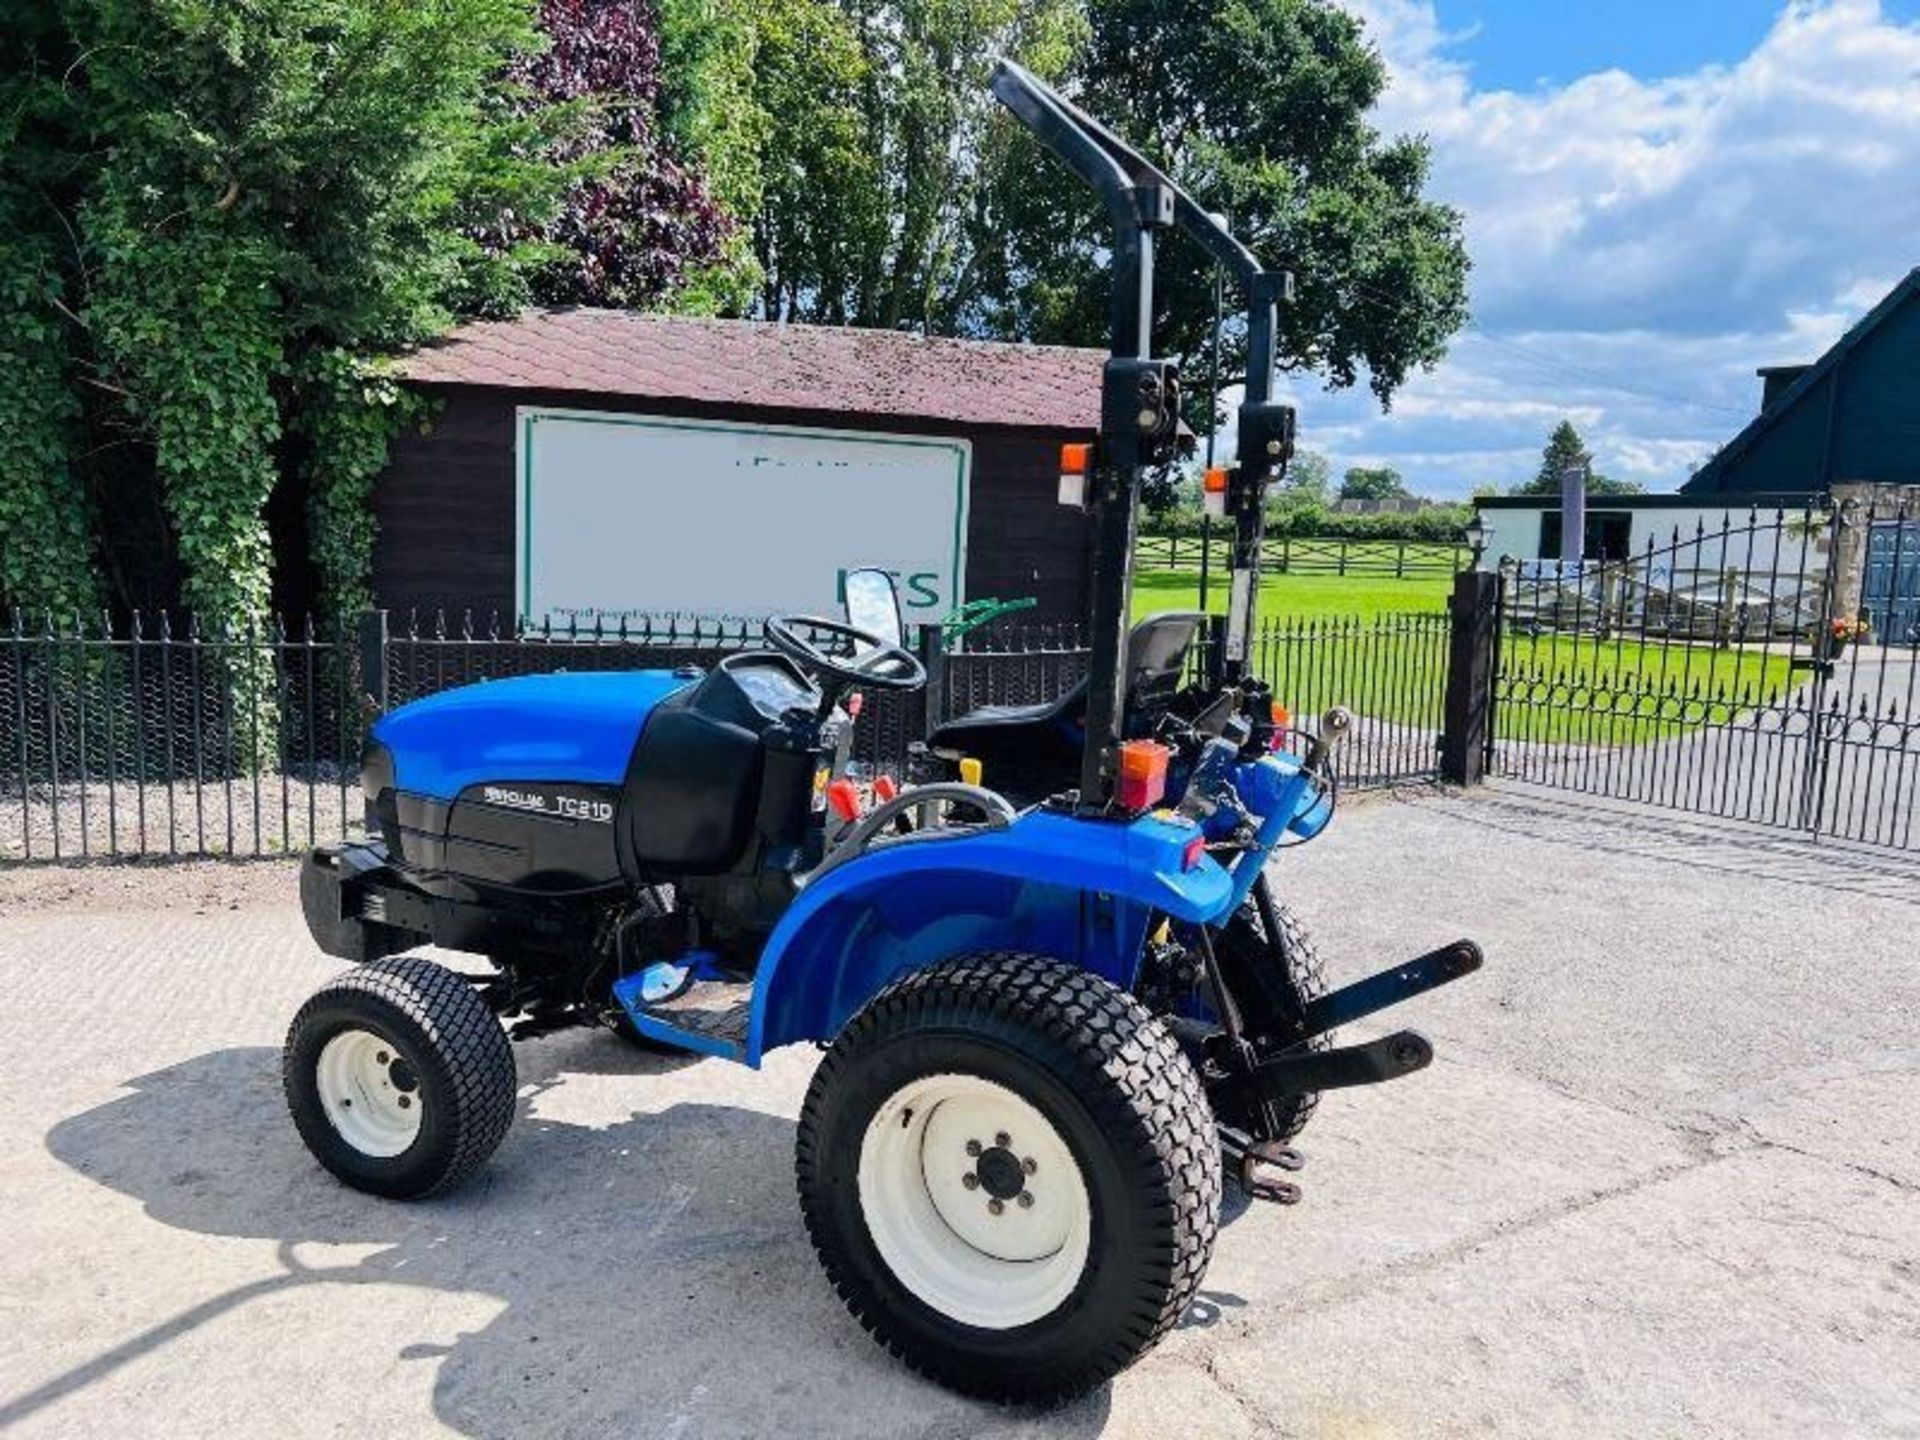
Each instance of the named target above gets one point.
<point>1048,734</point>
<point>994,715</point>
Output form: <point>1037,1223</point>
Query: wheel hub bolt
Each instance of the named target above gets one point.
<point>973,1147</point>
<point>994,1207</point>
<point>381,1057</point>
<point>1028,1165</point>
<point>1003,1140</point>
<point>405,1102</point>
<point>970,1180</point>
<point>1025,1202</point>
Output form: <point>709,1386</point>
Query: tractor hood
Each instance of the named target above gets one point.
<point>566,727</point>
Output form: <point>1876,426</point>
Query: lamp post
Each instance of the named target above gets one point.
<point>1478,534</point>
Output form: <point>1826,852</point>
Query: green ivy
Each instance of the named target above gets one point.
<point>189,324</point>
<point>46,562</point>
<point>349,410</point>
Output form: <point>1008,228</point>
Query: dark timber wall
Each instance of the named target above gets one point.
<point>445,502</point>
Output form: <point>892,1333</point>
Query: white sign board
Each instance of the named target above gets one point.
<point>622,516</point>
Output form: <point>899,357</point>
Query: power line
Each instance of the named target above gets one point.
<point>1400,305</point>
<point>1599,378</point>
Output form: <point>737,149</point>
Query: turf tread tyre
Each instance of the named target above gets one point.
<point>464,1059</point>
<point>1283,979</point>
<point>1139,1090</point>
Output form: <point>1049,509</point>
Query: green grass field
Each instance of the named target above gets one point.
<point>1293,597</point>
<point>1559,688</point>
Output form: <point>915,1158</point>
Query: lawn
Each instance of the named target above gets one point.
<point>1294,597</point>
<point>1622,692</point>
<point>1379,646</point>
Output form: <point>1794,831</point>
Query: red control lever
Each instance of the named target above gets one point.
<point>845,800</point>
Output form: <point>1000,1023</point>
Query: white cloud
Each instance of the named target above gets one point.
<point>1640,246</point>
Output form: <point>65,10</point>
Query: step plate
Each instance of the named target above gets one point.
<point>710,1018</point>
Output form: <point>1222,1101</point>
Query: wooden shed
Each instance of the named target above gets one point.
<point>591,463</point>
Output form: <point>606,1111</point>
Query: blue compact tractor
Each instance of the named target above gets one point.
<point>1056,1014</point>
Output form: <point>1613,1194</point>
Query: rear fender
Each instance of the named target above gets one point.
<point>1076,890</point>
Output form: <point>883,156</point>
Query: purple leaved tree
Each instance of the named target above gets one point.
<point>634,232</point>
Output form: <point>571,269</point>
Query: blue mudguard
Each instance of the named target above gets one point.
<point>571,727</point>
<point>1078,890</point>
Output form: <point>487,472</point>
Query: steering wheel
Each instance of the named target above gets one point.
<point>876,662</point>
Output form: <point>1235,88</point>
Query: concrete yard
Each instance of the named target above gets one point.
<point>1664,1179</point>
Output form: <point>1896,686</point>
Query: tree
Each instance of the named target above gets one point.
<point>1309,480</point>
<point>871,134</point>
<point>1259,108</point>
<point>292,188</point>
<point>1381,482</point>
<point>636,222</point>
<point>708,58</point>
<point>1565,450</point>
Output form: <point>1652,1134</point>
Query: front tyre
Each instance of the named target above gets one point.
<point>400,1079</point>
<point>1011,1175</point>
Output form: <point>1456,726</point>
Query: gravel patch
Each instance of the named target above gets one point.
<point>272,814</point>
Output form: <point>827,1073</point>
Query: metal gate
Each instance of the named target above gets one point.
<point>1765,671</point>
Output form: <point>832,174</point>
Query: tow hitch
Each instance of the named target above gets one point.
<point>1246,1157</point>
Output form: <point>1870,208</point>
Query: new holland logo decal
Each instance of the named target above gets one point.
<point>569,807</point>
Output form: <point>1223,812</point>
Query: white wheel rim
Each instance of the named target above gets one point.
<point>370,1093</point>
<point>938,1164</point>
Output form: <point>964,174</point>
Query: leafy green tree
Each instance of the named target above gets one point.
<point>929,116</point>
<point>1309,481</point>
<point>1381,482</point>
<point>768,95</point>
<point>853,138</point>
<point>1259,107</point>
<point>225,213</point>
<point>1565,450</point>
<point>709,53</point>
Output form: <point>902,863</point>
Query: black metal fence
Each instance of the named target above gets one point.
<point>1389,670</point>
<point>1749,671</point>
<point>173,739</point>
<point>167,739</point>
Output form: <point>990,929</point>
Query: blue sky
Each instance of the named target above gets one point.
<point>1520,44</point>
<point>1659,197</point>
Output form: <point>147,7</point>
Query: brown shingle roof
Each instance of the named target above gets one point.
<point>746,362</point>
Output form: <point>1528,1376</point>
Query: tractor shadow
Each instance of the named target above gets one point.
<point>654,1274</point>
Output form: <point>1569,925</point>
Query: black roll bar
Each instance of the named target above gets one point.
<point>1139,200</point>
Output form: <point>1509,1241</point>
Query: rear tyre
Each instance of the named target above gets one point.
<point>400,1080</point>
<point>1275,979</point>
<point>1012,1177</point>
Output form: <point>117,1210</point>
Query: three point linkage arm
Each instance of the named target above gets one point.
<point>1139,399</point>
